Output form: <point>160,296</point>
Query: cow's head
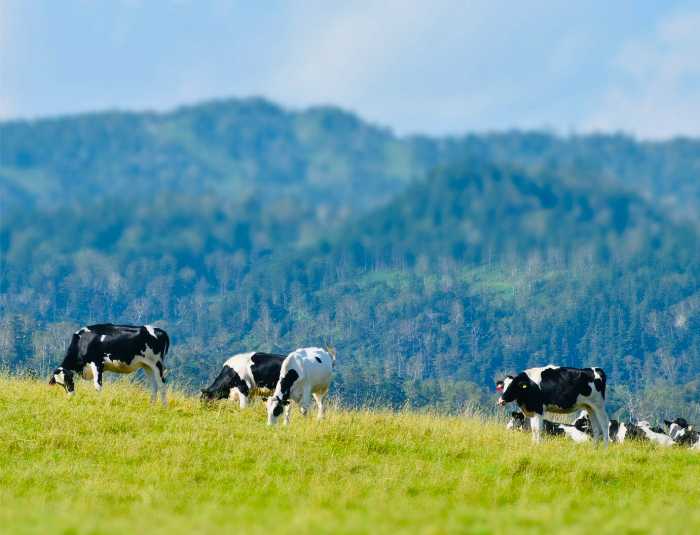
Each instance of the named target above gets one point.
<point>222,385</point>
<point>65,378</point>
<point>275,408</point>
<point>517,421</point>
<point>502,386</point>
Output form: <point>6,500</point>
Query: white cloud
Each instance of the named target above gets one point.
<point>655,92</point>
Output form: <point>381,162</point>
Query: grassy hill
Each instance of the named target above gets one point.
<point>111,463</point>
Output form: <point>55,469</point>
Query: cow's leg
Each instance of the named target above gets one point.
<point>318,397</point>
<point>154,384</point>
<point>287,410</point>
<point>243,400</point>
<point>536,422</point>
<point>97,375</point>
<point>305,402</point>
<point>159,373</point>
<point>603,422</point>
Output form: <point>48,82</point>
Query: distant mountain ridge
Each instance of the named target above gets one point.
<point>252,147</point>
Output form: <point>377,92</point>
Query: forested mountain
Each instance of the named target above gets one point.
<point>432,264</point>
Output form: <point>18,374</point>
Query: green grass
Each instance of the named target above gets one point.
<point>111,463</point>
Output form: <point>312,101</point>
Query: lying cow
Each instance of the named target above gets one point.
<point>655,434</point>
<point>114,348</point>
<point>245,376</point>
<point>305,373</point>
<point>559,390</point>
<point>683,434</point>
<point>618,431</point>
<point>519,423</point>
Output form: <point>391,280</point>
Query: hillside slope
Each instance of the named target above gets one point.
<point>110,463</point>
<point>485,269</point>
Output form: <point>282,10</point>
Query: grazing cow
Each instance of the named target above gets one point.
<point>245,376</point>
<point>655,434</point>
<point>305,373</point>
<point>518,422</point>
<point>682,433</point>
<point>560,390</point>
<point>114,348</point>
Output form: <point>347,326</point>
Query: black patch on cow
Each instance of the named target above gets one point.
<point>318,360</point>
<point>265,368</point>
<point>278,409</point>
<point>559,387</point>
<point>287,382</point>
<point>222,385</point>
<point>614,428</point>
<point>634,432</point>
<point>552,428</point>
<point>681,422</point>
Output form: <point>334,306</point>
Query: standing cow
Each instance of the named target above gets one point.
<point>244,376</point>
<point>305,373</point>
<point>559,390</point>
<point>115,348</point>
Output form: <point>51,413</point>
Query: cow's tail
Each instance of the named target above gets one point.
<point>166,344</point>
<point>600,380</point>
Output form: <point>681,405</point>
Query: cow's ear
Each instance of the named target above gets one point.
<point>668,424</point>
<point>285,402</point>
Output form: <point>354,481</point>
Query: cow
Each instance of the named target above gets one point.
<point>245,376</point>
<point>682,433</point>
<point>305,373</point>
<point>655,434</point>
<point>618,431</point>
<point>559,390</point>
<point>518,422</point>
<point>115,348</point>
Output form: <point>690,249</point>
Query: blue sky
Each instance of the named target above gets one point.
<point>436,67</point>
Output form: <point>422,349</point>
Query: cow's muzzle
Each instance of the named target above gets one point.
<point>501,402</point>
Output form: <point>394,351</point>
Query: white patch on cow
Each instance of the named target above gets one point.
<point>82,330</point>
<point>60,378</point>
<point>102,338</point>
<point>621,432</point>
<point>661,439</point>
<point>151,331</point>
<point>575,434</point>
<point>510,424</point>
<point>675,431</point>
<point>506,383</point>
<point>535,374</point>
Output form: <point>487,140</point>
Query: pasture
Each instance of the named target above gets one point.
<point>112,463</point>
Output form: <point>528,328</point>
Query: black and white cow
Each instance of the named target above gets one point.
<point>518,422</point>
<point>244,376</point>
<point>655,434</point>
<point>305,373</point>
<point>115,348</point>
<point>559,390</point>
<point>683,434</point>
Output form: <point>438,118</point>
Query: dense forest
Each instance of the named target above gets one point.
<point>432,264</point>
